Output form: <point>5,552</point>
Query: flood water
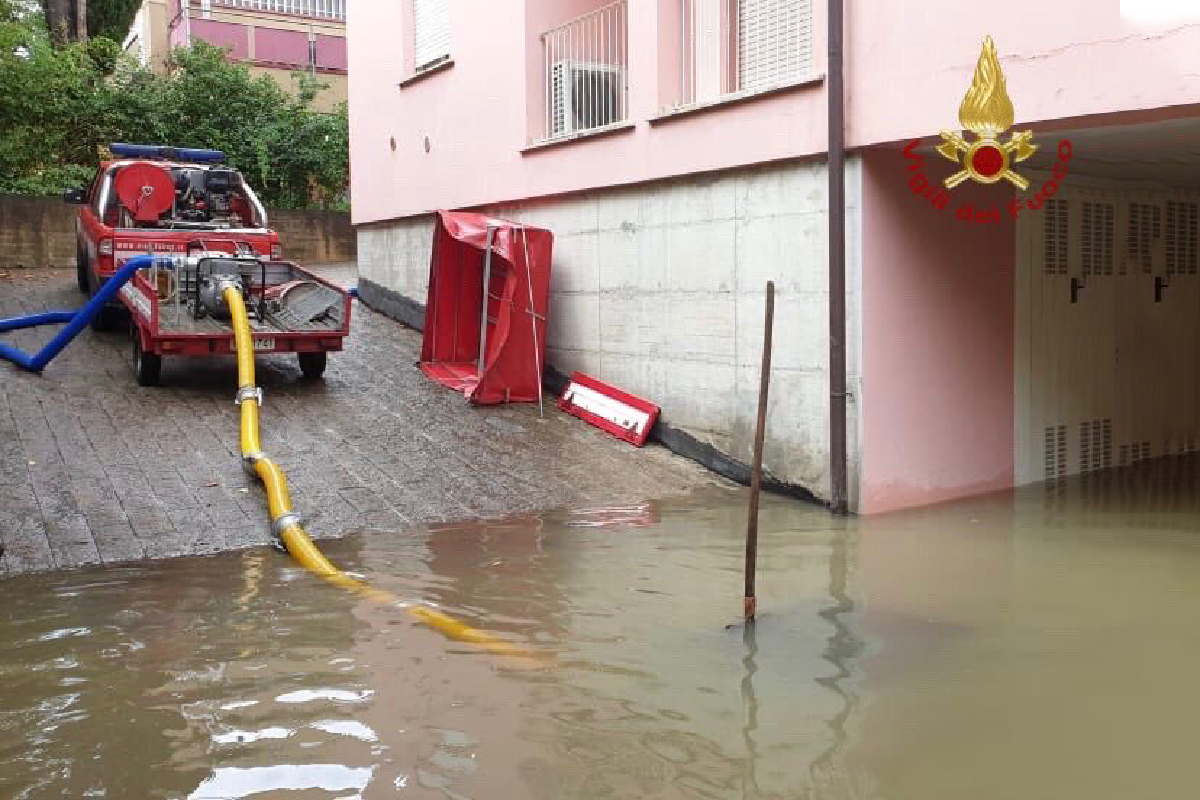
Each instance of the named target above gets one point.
<point>1041,644</point>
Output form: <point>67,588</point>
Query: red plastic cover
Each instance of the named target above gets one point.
<point>518,295</point>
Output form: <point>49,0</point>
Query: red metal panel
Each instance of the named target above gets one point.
<point>225,34</point>
<point>331,52</point>
<point>281,46</point>
<point>632,432</point>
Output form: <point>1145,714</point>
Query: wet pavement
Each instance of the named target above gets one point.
<point>94,468</point>
<point>1037,644</point>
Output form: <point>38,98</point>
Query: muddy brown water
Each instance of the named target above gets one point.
<point>1041,644</point>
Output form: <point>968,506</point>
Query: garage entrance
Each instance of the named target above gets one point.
<point>1106,309</point>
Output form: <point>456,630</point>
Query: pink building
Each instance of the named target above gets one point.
<point>678,150</point>
<point>273,37</point>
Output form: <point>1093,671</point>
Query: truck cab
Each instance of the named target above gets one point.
<point>151,199</point>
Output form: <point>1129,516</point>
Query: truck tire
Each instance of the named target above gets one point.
<point>106,320</point>
<point>109,318</point>
<point>146,366</point>
<point>81,271</point>
<point>312,365</point>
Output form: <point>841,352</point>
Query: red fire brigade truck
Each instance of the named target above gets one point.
<point>205,222</point>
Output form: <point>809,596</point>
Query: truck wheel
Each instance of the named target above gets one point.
<point>81,271</point>
<point>312,364</point>
<point>147,366</point>
<point>106,320</point>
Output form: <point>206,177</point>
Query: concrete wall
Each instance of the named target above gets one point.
<point>326,100</point>
<point>659,289</point>
<point>40,232</point>
<point>36,232</point>
<point>315,237</point>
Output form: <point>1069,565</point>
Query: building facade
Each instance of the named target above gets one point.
<point>677,149</point>
<point>279,38</point>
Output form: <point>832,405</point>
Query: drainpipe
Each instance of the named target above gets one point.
<point>837,265</point>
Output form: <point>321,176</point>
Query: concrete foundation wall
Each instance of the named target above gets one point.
<point>315,237</point>
<point>659,289</point>
<point>36,232</point>
<point>40,232</point>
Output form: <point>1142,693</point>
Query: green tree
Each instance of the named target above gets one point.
<point>59,104</point>
<point>111,18</point>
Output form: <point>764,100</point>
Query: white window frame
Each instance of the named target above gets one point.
<point>431,33</point>
<point>736,48</point>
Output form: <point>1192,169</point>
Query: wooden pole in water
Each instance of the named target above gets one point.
<point>749,601</point>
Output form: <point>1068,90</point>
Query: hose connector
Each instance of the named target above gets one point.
<point>284,520</point>
<point>248,393</point>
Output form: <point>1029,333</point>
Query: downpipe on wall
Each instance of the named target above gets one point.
<point>838,499</point>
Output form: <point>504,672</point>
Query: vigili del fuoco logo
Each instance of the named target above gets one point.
<point>987,112</point>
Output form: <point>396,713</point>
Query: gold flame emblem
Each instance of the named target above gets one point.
<point>987,112</point>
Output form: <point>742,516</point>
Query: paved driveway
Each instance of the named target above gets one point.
<point>94,468</point>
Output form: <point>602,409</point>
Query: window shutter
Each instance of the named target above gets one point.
<point>431,31</point>
<point>774,42</point>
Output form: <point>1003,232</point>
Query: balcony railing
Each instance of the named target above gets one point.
<point>323,9</point>
<point>586,67</point>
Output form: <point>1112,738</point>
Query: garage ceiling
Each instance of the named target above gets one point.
<point>1162,152</point>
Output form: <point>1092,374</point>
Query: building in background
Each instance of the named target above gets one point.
<point>677,149</point>
<point>274,37</point>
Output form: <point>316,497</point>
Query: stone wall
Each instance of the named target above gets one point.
<point>40,232</point>
<point>659,289</point>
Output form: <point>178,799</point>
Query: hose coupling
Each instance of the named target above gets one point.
<point>248,393</point>
<point>250,459</point>
<point>284,520</point>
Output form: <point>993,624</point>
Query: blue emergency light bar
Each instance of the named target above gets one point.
<point>123,150</point>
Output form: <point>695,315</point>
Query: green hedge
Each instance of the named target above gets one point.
<point>58,106</point>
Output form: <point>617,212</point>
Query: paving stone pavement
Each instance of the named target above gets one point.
<point>95,469</point>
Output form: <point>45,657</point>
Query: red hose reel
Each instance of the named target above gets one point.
<point>145,190</point>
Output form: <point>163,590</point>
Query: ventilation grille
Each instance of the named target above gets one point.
<point>1145,225</point>
<point>1095,445</point>
<point>1180,244</point>
<point>1054,223</point>
<point>1096,241</point>
<point>1055,444</point>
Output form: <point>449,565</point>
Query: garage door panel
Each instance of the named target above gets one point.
<point>1110,366</point>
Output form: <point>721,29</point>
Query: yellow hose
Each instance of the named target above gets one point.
<point>286,523</point>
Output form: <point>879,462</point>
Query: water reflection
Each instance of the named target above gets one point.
<point>997,648</point>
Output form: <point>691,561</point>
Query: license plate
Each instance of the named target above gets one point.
<point>264,344</point>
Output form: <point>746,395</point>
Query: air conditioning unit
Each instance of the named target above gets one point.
<point>585,95</point>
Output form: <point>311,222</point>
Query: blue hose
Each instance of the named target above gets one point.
<point>33,320</point>
<point>77,320</point>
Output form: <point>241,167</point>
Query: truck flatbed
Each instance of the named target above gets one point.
<point>291,310</point>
